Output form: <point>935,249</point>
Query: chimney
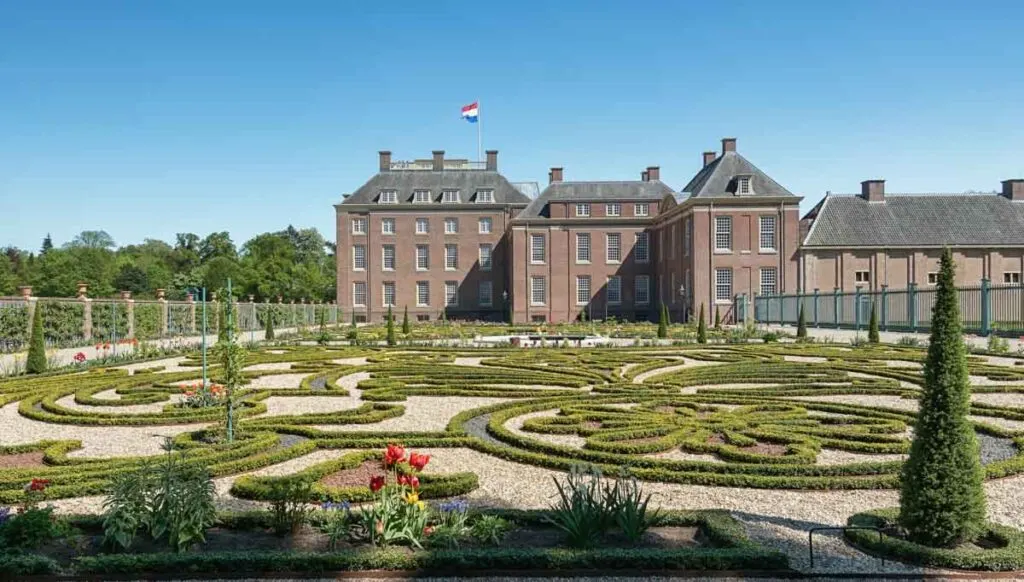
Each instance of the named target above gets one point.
<point>438,160</point>
<point>555,175</point>
<point>709,157</point>
<point>1014,189</point>
<point>385,160</point>
<point>644,177</point>
<point>653,173</point>
<point>873,190</point>
<point>492,160</point>
<point>728,144</point>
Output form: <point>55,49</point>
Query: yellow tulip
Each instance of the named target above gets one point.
<point>412,497</point>
<point>420,505</point>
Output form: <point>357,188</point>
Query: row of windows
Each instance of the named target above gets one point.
<point>723,233</point>
<point>485,293</point>
<point>485,225</point>
<point>426,197</point>
<point>612,209</point>
<point>864,278</point>
<point>769,283</point>
<point>584,294</point>
<point>613,247</point>
<point>485,256</point>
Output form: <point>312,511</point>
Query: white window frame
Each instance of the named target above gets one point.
<point>613,209</point>
<point>608,238</point>
<point>388,197</point>
<point>538,286</point>
<point>451,293</point>
<point>763,222</point>
<point>358,288</point>
<point>384,293</point>
<point>538,248</point>
<point>486,263</point>
<point>485,225</point>
<point>359,225</point>
<point>723,282</point>
<point>451,225</point>
<point>769,281</point>
<point>424,223</point>
<point>862,277</point>
<point>582,209</point>
<point>641,209</point>
<point>451,257</point>
<point>642,247</point>
<point>583,289</point>
<point>451,197</point>
<point>933,278</point>
<point>387,226</point>
<point>642,290</point>
<point>356,259</point>
<point>422,197</point>
<point>422,293</point>
<point>744,186</point>
<point>583,248</point>
<point>485,196</point>
<point>385,250</point>
<point>485,299</point>
<point>613,290</point>
<point>723,233</point>
<point>423,258</point>
<point>1009,276</point>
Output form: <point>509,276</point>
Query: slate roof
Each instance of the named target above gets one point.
<point>467,182</point>
<point>914,220</point>
<point>530,189</point>
<point>718,180</point>
<point>596,192</point>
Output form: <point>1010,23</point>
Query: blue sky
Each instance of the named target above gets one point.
<point>150,118</point>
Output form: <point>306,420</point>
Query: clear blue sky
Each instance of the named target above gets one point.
<point>149,118</point>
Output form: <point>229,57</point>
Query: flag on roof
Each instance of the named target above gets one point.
<point>471,112</point>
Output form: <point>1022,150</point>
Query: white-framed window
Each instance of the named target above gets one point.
<point>582,247</point>
<point>387,226</point>
<point>642,247</point>
<point>358,226</point>
<point>862,277</point>
<point>582,209</point>
<point>485,225</point>
<point>743,186</point>
<point>422,226</point>
<point>641,209</point>
<point>723,284</point>
<point>767,233</point>
<point>1011,278</point>
<point>484,196</point>
<point>358,257</point>
<point>933,278</point>
<point>422,293</point>
<point>451,257</point>
<point>485,294</point>
<point>388,197</point>
<point>538,252</point>
<point>359,293</point>
<point>451,226</point>
<point>769,281</point>
<point>582,289</point>
<point>451,292</point>
<point>614,290</point>
<point>388,293</point>
<point>723,233</point>
<point>613,242</point>
<point>538,290</point>
<point>642,290</point>
<point>486,257</point>
<point>613,209</point>
<point>422,196</point>
<point>422,257</point>
<point>388,257</point>
<point>450,197</point>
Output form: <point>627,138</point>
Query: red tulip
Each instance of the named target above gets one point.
<point>403,479</point>
<point>418,461</point>
<point>414,482</point>
<point>393,455</point>
<point>376,483</point>
<point>428,530</point>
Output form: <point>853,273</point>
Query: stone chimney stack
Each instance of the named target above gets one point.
<point>492,160</point>
<point>555,175</point>
<point>653,173</point>
<point>1014,189</point>
<point>385,160</point>
<point>643,176</point>
<point>873,190</point>
<point>709,157</point>
<point>438,160</point>
<point>728,144</point>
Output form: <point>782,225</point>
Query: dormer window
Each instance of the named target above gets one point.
<point>485,196</point>
<point>388,197</point>
<point>451,197</point>
<point>743,186</point>
<point>422,196</point>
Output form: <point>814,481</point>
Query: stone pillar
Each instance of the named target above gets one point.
<point>191,312</point>
<point>165,312</point>
<point>83,289</point>
<point>129,305</point>
<point>30,304</point>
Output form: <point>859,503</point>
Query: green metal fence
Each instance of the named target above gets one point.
<point>984,308</point>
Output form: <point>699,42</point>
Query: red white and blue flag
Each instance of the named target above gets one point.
<point>471,112</point>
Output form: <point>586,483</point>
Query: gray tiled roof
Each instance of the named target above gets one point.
<point>467,182</point>
<point>596,192</point>
<point>917,220</point>
<point>530,189</point>
<point>718,179</point>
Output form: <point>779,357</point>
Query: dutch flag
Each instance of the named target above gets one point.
<point>471,112</point>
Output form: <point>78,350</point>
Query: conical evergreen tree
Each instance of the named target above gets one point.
<point>873,325</point>
<point>801,324</point>
<point>36,362</point>
<point>702,327</point>
<point>942,501</point>
<point>663,322</point>
<point>718,319</point>
<point>406,329</point>
<point>391,328</point>
<point>269,320</point>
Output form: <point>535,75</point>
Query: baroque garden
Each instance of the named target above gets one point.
<point>721,455</point>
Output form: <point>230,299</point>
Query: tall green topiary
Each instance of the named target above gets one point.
<point>406,328</point>
<point>663,322</point>
<point>391,328</point>
<point>702,327</point>
<point>942,502</point>
<point>353,319</point>
<point>269,334</point>
<point>222,321</point>
<point>873,325</point>
<point>718,319</point>
<point>36,362</point>
<point>801,324</point>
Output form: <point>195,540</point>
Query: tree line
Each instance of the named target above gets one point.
<point>292,263</point>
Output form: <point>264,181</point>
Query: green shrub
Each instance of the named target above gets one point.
<point>801,324</point>
<point>406,328</point>
<point>663,322</point>
<point>288,499</point>
<point>702,327</point>
<point>718,319</point>
<point>36,362</point>
<point>391,328</point>
<point>873,325</point>
<point>269,321</point>
<point>490,529</point>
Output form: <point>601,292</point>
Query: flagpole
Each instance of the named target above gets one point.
<point>479,133</point>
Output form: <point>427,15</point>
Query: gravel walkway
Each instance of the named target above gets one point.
<point>69,403</point>
<point>278,381</point>
<point>271,367</point>
<point>170,365</point>
<point>515,426</point>
<point>422,413</point>
<point>687,363</point>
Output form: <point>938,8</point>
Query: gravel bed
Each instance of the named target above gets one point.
<point>472,362</point>
<point>806,359</point>
<point>280,405</point>
<point>278,381</point>
<point>422,413</point>
<point>69,403</point>
<point>743,386</point>
<point>1000,422</point>
<point>837,457</point>
<point>687,363</point>
<point>680,455</point>
<point>170,365</point>
<point>1011,399</point>
<point>995,448</point>
<point>903,364</point>
<point>515,426</point>
<point>350,361</point>
<point>985,381</point>
<point>271,367</point>
<point>477,426</point>
<point>862,400</point>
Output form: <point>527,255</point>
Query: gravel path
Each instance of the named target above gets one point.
<point>422,413</point>
<point>473,362</point>
<point>350,361</point>
<point>170,365</point>
<point>278,405</point>
<point>515,425</point>
<point>806,359</point>
<point>69,403</point>
<point>278,381</point>
<point>271,367</point>
<point>687,363</point>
